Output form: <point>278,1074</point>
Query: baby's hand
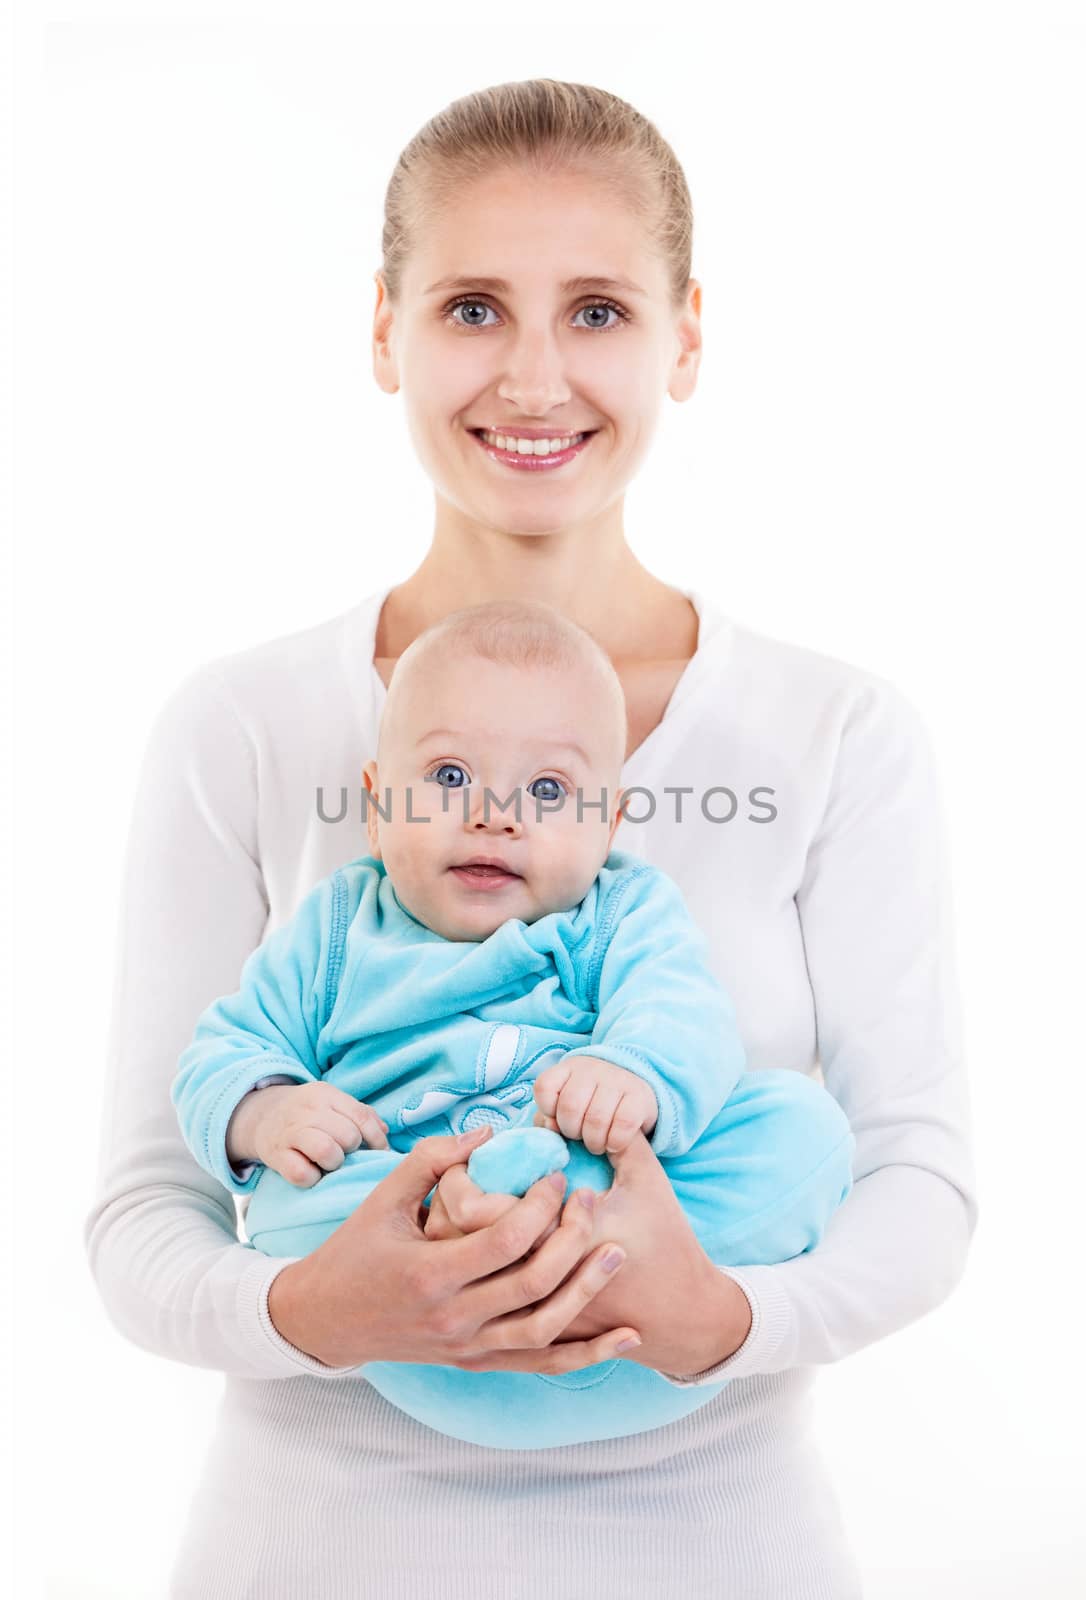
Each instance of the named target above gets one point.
<point>301,1130</point>
<point>596,1102</point>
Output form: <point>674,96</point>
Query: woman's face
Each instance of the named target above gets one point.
<point>493,333</point>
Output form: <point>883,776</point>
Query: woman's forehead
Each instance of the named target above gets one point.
<point>523,234</point>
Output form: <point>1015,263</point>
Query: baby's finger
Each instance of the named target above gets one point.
<point>468,1206</point>
<point>296,1169</point>
<point>373,1128</point>
<point>599,1117</point>
<point>624,1124</point>
<point>346,1131</point>
<point>363,1116</point>
<point>548,1086</point>
<point>434,1219</point>
<point>322,1148</point>
<point>573,1103</point>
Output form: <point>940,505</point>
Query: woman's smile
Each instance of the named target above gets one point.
<point>532,454</point>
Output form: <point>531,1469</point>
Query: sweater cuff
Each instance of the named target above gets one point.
<point>267,1346</point>
<point>771,1323</point>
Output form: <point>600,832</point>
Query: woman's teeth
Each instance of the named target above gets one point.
<point>531,447</point>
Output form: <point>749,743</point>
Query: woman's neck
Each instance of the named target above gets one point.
<point>589,575</point>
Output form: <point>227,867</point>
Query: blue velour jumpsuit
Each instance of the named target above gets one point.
<point>440,1035</point>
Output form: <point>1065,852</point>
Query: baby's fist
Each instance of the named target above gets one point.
<point>302,1130</point>
<point>596,1102</point>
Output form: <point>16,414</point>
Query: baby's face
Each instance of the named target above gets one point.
<point>463,726</point>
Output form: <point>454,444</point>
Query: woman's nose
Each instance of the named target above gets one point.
<point>534,379</point>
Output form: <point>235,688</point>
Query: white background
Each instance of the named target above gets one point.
<point>883,462</point>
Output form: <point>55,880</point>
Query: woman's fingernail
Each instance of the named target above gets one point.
<point>466,1138</point>
<point>613,1259</point>
<point>628,1344</point>
<point>587,1199</point>
<point>557,1180</point>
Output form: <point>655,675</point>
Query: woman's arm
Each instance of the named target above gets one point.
<point>161,1237</point>
<point>875,911</point>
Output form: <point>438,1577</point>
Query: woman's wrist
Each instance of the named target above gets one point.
<point>291,1304</point>
<point>721,1322</point>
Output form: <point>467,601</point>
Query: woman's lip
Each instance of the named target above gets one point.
<point>519,463</point>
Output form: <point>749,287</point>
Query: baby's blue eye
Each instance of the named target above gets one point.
<point>449,766</point>
<point>555,786</point>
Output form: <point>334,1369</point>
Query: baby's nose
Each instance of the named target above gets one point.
<point>493,814</point>
<point>501,825</point>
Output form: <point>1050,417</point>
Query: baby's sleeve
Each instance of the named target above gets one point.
<point>268,1029</point>
<point>661,1012</point>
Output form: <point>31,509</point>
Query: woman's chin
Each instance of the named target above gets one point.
<point>531,511</point>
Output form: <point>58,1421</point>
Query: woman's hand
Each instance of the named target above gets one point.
<point>378,1289</point>
<point>689,1315</point>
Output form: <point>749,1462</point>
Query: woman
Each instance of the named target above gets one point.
<point>536,284</point>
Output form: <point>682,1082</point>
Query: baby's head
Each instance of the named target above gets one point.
<point>498,719</point>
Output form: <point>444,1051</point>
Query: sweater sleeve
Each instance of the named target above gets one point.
<point>161,1236</point>
<point>272,1023</point>
<point>661,1013</point>
<point>875,912</point>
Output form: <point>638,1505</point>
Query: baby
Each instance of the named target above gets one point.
<point>494,959</point>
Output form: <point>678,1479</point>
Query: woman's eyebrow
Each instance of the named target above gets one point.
<point>500,286</point>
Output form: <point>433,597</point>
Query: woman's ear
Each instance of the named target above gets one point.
<point>384,361</point>
<point>370,778</point>
<point>684,373</point>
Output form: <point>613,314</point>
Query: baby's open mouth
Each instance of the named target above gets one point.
<point>485,876</point>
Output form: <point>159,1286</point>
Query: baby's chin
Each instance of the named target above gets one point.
<point>467,931</point>
<point>455,917</point>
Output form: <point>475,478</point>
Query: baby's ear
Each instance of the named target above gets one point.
<point>371,779</point>
<point>618,816</point>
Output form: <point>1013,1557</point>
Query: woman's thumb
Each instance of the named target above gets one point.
<point>412,1178</point>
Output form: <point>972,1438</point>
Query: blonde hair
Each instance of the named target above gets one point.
<point>527,634</point>
<point>544,125</point>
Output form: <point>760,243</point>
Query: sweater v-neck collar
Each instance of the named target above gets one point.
<point>715,632</point>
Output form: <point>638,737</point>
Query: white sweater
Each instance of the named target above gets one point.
<point>829,926</point>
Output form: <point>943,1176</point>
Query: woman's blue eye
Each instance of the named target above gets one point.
<point>605,309</point>
<point>555,785</point>
<point>469,305</point>
<point>596,313</point>
<point>449,766</point>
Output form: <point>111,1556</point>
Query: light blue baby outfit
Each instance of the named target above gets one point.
<point>439,1036</point>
